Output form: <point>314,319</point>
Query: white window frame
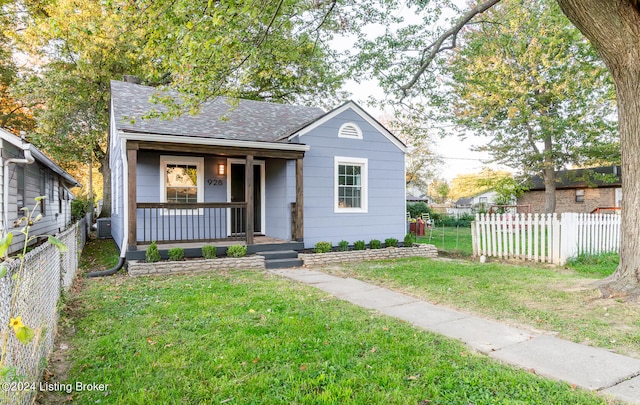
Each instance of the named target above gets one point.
<point>181,160</point>
<point>364,184</point>
<point>351,124</point>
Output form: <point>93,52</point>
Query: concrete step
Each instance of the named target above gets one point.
<point>282,263</point>
<point>278,254</point>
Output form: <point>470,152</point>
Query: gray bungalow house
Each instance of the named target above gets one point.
<point>26,174</point>
<point>257,170</point>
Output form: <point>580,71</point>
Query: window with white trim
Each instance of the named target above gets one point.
<point>351,186</point>
<point>182,179</point>
<point>350,130</point>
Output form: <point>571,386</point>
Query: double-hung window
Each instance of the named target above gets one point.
<point>182,179</point>
<point>351,185</point>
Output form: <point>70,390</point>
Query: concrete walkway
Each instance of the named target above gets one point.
<point>585,366</point>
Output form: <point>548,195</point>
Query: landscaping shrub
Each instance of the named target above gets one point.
<point>359,245</point>
<point>391,242</point>
<point>79,207</point>
<point>209,252</point>
<point>409,239</point>
<point>417,208</point>
<point>176,254</point>
<point>343,246</point>
<point>152,255</point>
<point>323,247</point>
<point>375,244</point>
<point>237,251</point>
<point>463,221</point>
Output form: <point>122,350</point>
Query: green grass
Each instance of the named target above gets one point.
<point>557,300</point>
<point>99,254</point>
<point>252,338</point>
<point>601,265</point>
<point>449,240</point>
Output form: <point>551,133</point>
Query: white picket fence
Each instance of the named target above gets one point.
<point>544,237</point>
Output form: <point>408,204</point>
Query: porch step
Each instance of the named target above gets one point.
<point>280,259</point>
<point>282,263</point>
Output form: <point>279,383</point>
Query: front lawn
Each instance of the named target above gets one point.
<point>559,300</point>
<point>450,241</point>
<point>251,338</point>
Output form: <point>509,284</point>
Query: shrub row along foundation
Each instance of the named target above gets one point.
<point>319,259</point>
<point>141,268</point>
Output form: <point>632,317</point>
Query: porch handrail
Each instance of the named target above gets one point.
<point>208,221</point>
<point>190,206</point>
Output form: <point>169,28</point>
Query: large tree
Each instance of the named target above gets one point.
<point>525,78</point>
<point>613,28</point>
<point>203,49</point>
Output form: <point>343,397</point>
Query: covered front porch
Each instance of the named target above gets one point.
<point>224,201</point>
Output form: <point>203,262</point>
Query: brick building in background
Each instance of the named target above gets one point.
<point>579,190</point>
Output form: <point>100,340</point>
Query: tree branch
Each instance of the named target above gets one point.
<point>438,46</point>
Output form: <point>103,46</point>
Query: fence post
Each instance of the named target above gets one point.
<point>474,238</point>
<point>568,236</point>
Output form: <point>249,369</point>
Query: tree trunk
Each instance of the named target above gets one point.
<point>105,170</point>
<point>549,176</point>
<point>613,27</point>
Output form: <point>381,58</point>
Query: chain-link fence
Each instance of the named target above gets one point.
<point>45,275</point>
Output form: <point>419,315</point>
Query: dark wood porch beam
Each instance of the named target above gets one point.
<point>132,162</point>
<point>299,201</point>
<point>221,150</point>
<point>248,197</point>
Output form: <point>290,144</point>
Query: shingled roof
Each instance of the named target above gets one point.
<point>604,176</point>
<point>248,121</point>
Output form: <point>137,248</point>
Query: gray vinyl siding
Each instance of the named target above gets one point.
<point>148,190</point>
<point>117,187</point>
<point>279,193</point>
<point>386,184</point>
<point>56,218</point>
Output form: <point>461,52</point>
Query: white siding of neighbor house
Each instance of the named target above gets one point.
<point>385,216</point>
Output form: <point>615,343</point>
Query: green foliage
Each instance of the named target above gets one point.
<point>463,220</point>
<point>409,239</point>
<point>209,251</point>
<point>535,87</point>
<point>391,242</point>
<point>601,265</point>
<point>375,244</point>
<point>176,254</point>
<point>343,246</point>
<point>79,207</point>
<point>152,254</point>
<point>417,208</point>
<point>359,245</point>
<point>322,247</point>
<point>237,251</point>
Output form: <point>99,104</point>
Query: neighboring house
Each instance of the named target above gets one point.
<point>578,190</point>
<point>27,173</point>
<point>309,175</point>
<point>423,198</point>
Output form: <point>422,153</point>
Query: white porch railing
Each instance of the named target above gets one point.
<point>544,237</point>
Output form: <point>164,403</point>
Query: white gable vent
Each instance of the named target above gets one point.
<point>350,130</point>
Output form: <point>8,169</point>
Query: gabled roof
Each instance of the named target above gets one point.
<point>358,110</point>
<point>254,121</point>
<point>40,157</point>
<point>582,178</point>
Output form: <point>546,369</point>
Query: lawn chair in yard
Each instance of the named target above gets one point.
<point>427,219</point>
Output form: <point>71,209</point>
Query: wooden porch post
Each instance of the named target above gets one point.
<point>132,162</point>
<point>299,201</point>
<point>248,197</point>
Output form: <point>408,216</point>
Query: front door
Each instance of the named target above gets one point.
<point>236,194</point>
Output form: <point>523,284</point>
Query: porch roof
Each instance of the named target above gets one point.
<point>249,121</point>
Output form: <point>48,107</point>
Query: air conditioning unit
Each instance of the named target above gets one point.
<point>104,228</point>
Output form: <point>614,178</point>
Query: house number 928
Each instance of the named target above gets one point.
<point>214,182</point>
